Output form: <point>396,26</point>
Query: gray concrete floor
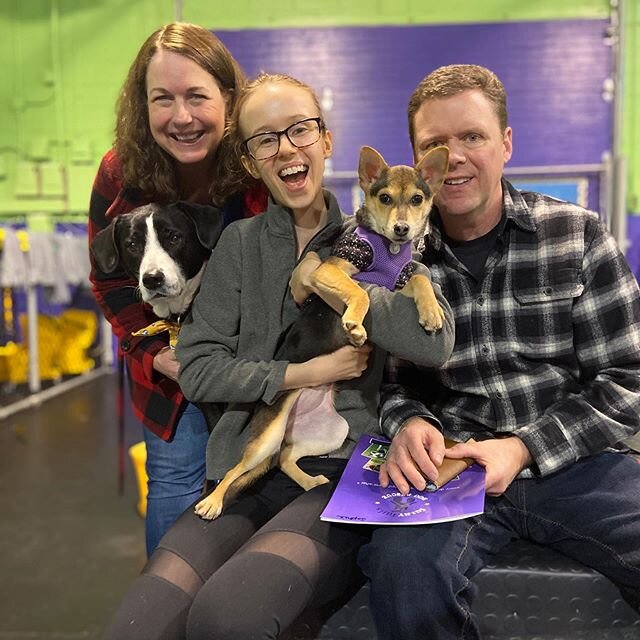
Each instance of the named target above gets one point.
<point>69,544</point>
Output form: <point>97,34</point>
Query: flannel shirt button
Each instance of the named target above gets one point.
<point>125,345</point>
<point>484,348</point>
<point>548,291</point>
<point>499,394</point>
<point>480,300</point>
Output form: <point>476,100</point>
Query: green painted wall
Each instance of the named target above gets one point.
<point>314,13</point>
<point>63,62</point>
<point>631,124</point>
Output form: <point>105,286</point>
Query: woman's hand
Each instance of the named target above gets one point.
<point>344,364</point>
<point>165,362</point>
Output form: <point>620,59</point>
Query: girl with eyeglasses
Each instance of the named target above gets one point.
<point>250,572</point>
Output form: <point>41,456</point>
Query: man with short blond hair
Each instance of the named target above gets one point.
<point>544,376</point>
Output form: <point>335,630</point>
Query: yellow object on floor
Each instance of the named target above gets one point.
<point>138,455</point>
<point>64,342</point>
<point>8,354</point>
<point>78,329</point>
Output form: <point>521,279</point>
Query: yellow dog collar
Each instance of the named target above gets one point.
<point>161,326</point>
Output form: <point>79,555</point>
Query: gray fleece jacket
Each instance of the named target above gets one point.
<point>226,346</point>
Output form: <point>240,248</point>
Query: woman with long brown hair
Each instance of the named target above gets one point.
<point>169,145</point>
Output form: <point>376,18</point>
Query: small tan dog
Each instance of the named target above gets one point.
<point>396,205</point>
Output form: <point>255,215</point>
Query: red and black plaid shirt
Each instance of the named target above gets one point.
<point>157,400</point>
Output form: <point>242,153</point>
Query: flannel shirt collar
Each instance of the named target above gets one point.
<point>514,208</point>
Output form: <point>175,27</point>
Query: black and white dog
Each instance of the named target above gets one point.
<point>164,248</point>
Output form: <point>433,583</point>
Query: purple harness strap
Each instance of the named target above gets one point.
<point>386,266</point>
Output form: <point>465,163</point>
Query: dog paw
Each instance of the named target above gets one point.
<point>209,508</point>
<point>314,481</point>
<point>431,317</point>
<point>356,333</point>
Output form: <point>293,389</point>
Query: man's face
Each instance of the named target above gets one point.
<point>478,150</point>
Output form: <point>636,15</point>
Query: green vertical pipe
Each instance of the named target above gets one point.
<point>58,88</point>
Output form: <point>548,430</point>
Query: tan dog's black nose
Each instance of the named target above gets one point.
<point>401,229</point>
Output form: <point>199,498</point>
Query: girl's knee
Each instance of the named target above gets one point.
<point>209,619</point>
<point>253,595</point>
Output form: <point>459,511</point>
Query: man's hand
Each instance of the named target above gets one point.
<point>503,459</point>
<point>416,451</point>
<point>165,362</point>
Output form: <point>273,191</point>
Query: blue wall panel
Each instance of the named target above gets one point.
<point>553,72</point>
<point>633,247</point>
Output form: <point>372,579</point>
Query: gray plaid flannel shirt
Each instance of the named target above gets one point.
<point>547,345</point>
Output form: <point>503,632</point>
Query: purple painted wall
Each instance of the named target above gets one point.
<point>553,72</point>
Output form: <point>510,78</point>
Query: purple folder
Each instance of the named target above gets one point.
<point>358,498</point>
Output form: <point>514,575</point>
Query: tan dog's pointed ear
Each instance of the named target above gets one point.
<point>370,167</point>
<point>433,167</point>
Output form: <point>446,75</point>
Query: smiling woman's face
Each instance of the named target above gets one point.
<point>187,110</point>
<point>294,175</point>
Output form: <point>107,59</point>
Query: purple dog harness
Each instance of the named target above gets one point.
<point>386,266</point>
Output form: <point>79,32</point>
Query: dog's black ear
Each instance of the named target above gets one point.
<point>208,220</point>
<point>433,167</point>
<point>370,167</point>
<point>104,248</point>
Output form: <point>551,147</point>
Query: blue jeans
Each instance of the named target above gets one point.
<point>175,473</point>
<point>420,575</point>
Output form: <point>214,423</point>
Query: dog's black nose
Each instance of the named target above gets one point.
<point>153,280</point>
<point>401,229</point>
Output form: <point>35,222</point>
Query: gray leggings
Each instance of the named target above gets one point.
<point>249,573</point>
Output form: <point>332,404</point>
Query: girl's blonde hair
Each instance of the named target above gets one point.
<point>236,137</point>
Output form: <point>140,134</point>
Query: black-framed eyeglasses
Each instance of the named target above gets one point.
<point>300,134</point>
